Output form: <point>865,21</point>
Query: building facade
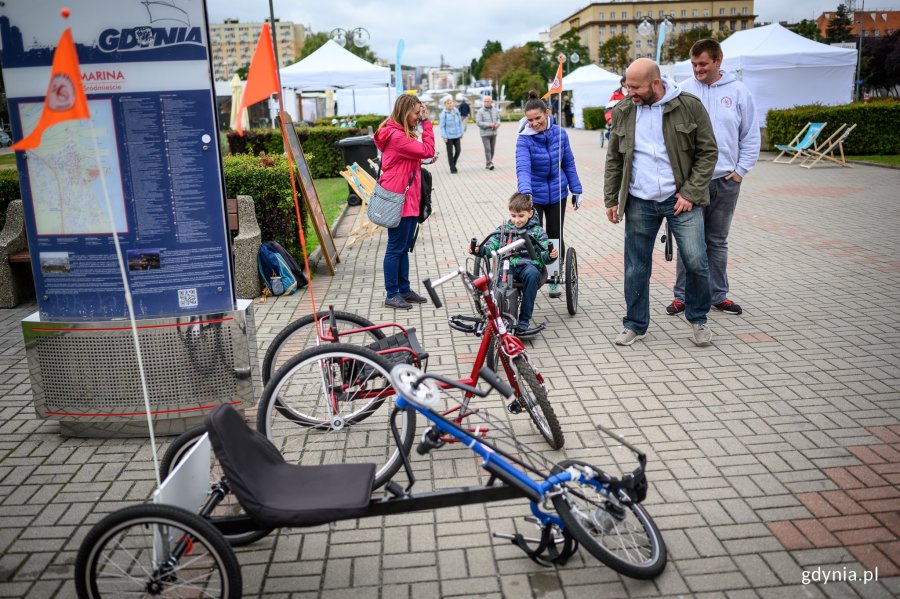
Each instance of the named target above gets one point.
<point>875,23</point>
<point>232,44</point>
<point>599,21</point>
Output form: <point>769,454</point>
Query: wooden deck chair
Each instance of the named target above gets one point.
<point>827,149</point>
<point>362,184</point>
<point>801,142</point>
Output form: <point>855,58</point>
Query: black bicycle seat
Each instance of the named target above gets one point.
<point>277,494</point>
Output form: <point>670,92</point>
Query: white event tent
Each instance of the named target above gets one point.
<point>332,67</point>
<point>782,69</point>
<point>590,85</point>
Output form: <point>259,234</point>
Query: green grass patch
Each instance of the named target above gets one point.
<point>332,196</point>
<point>893,159</point>
<point>8,160</point>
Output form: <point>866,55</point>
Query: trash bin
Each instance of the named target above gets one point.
<point>359,150</point>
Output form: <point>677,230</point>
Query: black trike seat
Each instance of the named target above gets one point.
<point>404,339</point>
<point>276,494</point>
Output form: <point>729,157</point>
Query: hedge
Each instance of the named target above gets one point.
<point>363,121</point>
<point>877,125</point>
<point>593,118</point>
<point>9,191</point>
<point>267,180</point>
<point>318,141</point>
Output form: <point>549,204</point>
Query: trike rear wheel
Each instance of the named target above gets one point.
<point>571,281</point>
<point>332,405</point>
<point>533,395</point>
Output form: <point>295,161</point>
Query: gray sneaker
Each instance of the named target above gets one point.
<point>398,303</point>
<point>702,335</point>
<point>627,337</point>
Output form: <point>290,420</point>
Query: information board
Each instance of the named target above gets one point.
<point>145,68</point>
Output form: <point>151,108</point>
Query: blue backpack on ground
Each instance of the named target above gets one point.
<point>275,272</point>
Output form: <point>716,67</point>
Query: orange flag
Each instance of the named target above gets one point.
<point>262,78</point>
<point>65,98</point>
<point>556,86</point>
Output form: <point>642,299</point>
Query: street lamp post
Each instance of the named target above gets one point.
<point>650,26</point>
<point>358,37</point>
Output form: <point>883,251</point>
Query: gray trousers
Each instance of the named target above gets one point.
<point>717,217</point>
<point>490,142</point>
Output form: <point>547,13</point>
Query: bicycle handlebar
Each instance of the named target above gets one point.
<point>429,286</point>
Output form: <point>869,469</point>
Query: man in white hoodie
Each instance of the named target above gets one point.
<point>733,115</point>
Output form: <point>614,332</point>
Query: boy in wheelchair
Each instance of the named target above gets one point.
<point>530,273</point>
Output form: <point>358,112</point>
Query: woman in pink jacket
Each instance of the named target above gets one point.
<point>401,157</point>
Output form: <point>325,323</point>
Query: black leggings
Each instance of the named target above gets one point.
<point>453,147</point>
<point>554,221</point>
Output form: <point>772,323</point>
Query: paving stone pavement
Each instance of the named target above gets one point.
<point>772,453</point>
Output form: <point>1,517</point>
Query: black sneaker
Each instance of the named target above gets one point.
<point>728,307</point>
<point>453,171</point>
<point>414,298</point>
<point>398,303</point>
<point>490,167</point>
<point>674,308</point>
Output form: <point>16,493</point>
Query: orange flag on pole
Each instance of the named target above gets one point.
<point>556,86</point>
<point>65,98</point>
<point>262,78</point>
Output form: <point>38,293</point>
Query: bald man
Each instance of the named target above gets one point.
<point>660,161</point>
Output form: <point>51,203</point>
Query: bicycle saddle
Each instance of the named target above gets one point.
<point>275,493</point>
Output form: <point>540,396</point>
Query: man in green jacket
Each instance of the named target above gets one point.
<point>660,160</point>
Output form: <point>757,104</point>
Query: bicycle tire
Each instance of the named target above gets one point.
<point>536,403</point>
<point>585,518</point>
<point>98,551</point>
<point>571,281</point>
<point>229,505</point>
<point>348,424</point>
<point>301,334</point>
<point>493,352</point>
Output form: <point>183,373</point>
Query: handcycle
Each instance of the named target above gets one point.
<point>177,550</point>
<point>330,403</point>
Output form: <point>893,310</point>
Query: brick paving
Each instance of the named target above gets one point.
<point>773,452</point>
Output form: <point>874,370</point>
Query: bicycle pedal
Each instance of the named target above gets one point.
<point>515,407</point>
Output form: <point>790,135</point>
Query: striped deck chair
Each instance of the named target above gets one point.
<point>827,149</point>
<point>801,143</point>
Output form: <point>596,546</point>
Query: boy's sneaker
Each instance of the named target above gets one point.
<point>728,307</point>
<point>627,337</point>
<point>398,303</point>
<point>675,308</point>
<point>414,298</point>
<point>701,335</point>
<point>554,290</point>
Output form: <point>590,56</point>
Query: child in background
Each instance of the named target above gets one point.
<point>522,220</point>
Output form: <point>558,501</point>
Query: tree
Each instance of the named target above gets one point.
<point>314,41</point>
<point>519,81</point>
<point>808,29</point>
<point>540,60</point>
<point>569,43</point>
<point>881,63</point>
<point>614,53</point>
<point>499,64</point>
<point>242,72</point>
<point>490,48</point>
<point>679,46</point>
<point>839,28</point>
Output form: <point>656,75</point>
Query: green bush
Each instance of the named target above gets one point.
<point>328,162</point>
<point>256,141</point>
<point>593,118</point>
<point>362,121</point>
<point>877,125</point>
<point>267,180</point>
<point>9,191</point>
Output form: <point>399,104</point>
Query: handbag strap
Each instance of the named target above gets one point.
<point>408,185</point>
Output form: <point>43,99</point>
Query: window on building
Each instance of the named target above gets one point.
<point>733,25</point>
<point>612,29</point>
<point>662,14</point>
<point>637,43</point>
<point>601,30</point>
<point>683,13</point>
<point>624,14</point>
<point>705,12</point>
<point>743,24</point>
<point>721,12</point>
<point>694,12</point>
<point>672,14</point>
<point>743,10</point>
<point>637,15</point>
<point>721,25</point>
<point>612,15</point>
<point>600,17</point>
<point>734,11</point>
<point>876,33</point>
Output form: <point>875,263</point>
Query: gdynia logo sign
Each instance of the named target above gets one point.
<point>142,38</point>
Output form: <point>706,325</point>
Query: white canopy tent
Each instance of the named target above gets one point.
<point>590,85</point>
<point>332,67</point>
<point>782,69</point>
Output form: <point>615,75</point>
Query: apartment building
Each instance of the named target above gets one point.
<point>599,21</point>
<point>875,23</point>
<point>232,44</point>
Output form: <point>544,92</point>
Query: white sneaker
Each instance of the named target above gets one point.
<point>702,335</point>
<point>627,337</point>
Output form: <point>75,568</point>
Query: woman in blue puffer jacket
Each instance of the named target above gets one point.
<point>545,169</point>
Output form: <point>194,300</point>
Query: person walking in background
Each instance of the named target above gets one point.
<point>660,160</point>
<point>568,115</point>
<point>465,111</point>
<point>733,114</point>
<point>488,120</point>
<point>401,156</point>
<point>616,97</point>
<point>451,131</point>
<point>545,170</point>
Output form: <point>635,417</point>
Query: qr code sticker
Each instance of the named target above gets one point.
<point>187,298</point>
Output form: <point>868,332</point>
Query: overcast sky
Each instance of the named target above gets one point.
<point>458,29</point>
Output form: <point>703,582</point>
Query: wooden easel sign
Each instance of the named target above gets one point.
<point>308,190</point>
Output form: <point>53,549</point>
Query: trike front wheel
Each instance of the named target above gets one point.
<point>533,394</point>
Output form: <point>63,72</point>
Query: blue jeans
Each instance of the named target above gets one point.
<point>530,277</point>
<point>642,221</point>
<point>396,257</point>
<point>717,217</point>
